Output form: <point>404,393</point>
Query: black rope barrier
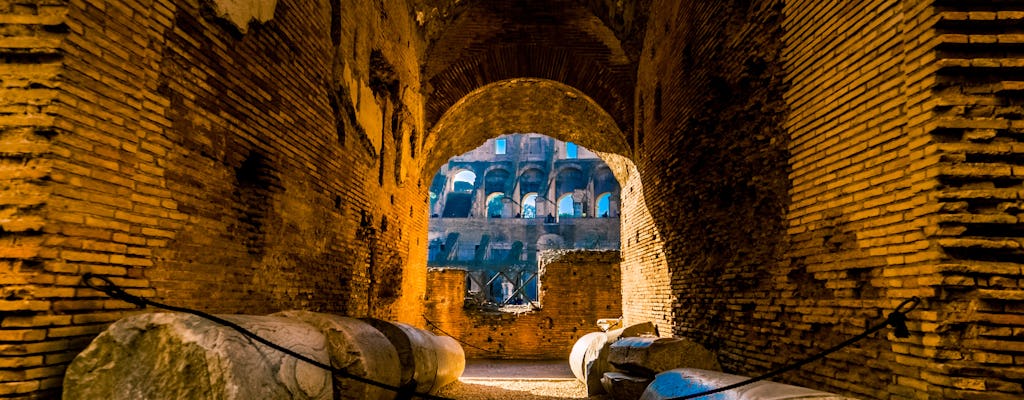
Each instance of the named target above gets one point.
<point>110,289</point>
<point>431,323</point>
<point>896,319</point>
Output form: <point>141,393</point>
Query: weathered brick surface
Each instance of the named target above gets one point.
<point>202,167</point>
<point>975,129</point>
<point>577,287</point>
<point>792,169</point>
<point>32,346</point>
<point>799,215</point>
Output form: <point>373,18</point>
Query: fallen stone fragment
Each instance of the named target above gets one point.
<point>181,356</point>
<point>687,381</point>
<point>648,356</point>
<point>359,349</point>
<point>624,387</point>
<point>589,356</point>
<point>429,360</point>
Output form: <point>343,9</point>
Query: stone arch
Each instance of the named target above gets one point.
<point>528,105</point>
<point>462,175</point>
<point>565,113</point>
<point>488,42</point>
<point>569,179</point>
<point>496,180</point>
<point>532,179</point>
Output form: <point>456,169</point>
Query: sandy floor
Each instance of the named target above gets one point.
<point>515,380</point>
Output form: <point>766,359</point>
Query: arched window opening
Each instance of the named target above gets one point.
<point>495,205</point>
<point>532,180</point>
<point>603,205</point>
<point>464,182</point>
<point>529,205</point>
<point>496,180</point>
<point>492,215</point>
<point>565,206</point>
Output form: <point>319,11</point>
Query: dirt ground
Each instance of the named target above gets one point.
<point>515,380</point>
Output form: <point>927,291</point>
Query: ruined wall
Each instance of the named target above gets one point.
<point>202,166</point>
<point>575,232</point>
<point>976,128</point>
<point>713,176</point>
<point>860,178</point>
<point>844,157</point>
<point>791,193</point>
<point>30,36</point>
<point>646,285</point>
<point>577,287</point>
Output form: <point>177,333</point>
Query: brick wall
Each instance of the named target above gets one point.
<point>798,216</point>
<point>156,144</point>
<point>647,292</point>
<point>793,169</point>
<point>874,162</point>
<point>30,36</point>
<point>577,287</point>
<point>975,127</point>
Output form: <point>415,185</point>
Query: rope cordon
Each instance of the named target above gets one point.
<point>897,319</point>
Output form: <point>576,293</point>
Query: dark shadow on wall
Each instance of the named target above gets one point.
<point>716,128</point>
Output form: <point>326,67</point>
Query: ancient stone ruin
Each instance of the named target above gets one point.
<point>788,172</point>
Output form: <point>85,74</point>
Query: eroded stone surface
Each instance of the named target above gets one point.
<point>647,356</point>
<point>358,348</point>
<point>429,360</point>
<point>624,387</point>
<point>589,356</point>
<point>181,356</point>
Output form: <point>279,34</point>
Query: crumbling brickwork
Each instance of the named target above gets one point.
<point>577,287</point>
<point>234,173</point>
<point>790,170</point>
<point>975,130</point>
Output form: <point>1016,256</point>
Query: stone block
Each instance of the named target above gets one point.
<point>624,387</point>
<point>429,360</point>
<point>589,356</point>
<point>687,381</point>
<point>358,348</point>
<point>181,356</point>
<point>648,356</point>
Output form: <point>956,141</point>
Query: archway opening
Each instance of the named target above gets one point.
<point>497,240</point>
<point>529,196</point>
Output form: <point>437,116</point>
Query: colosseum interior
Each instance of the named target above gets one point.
<point>790,170</point>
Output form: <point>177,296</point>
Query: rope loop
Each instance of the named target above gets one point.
<point>112,289</point>
<point>898,318</point>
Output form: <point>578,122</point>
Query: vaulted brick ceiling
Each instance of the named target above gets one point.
<point>482,42</point>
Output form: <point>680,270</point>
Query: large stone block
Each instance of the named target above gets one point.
<point>687,381</point>
<point>589,356</point>
<point>181,356</point>
<point>358,348</point>
<point>648,356</point>
<point>429,360</point>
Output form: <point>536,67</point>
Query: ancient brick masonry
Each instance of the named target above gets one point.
<point>790,171</point>
<point>577,288</point>
<point>976,134</point>
<point>159,146</point>
<point>30,38</point>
